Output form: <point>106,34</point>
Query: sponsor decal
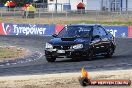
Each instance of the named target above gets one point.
<point>29,30</point>
<point>7,28</point>
<point>85,81</point>
<point>4,30</point>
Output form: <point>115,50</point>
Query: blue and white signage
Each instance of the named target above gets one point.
<point>28,29</point>
<point>118,31</point>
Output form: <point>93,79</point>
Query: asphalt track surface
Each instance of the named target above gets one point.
<point>122,59</point>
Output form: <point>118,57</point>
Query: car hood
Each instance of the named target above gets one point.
<point>68,41</point>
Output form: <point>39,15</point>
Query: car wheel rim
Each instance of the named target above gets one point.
<point>110,51</point>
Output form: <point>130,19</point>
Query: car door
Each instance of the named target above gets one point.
<point>96,41</point>
<point>104,39</point>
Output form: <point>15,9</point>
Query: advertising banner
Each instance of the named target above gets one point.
<point>27,29</point>
<point>118,31</point>
<point>49,29</point>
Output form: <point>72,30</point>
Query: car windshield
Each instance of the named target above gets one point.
<point>75,31</point>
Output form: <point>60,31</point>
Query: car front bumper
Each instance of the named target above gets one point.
<point>67,53</point>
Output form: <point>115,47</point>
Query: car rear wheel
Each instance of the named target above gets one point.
<point>109,53</point>
<point>50,59</point>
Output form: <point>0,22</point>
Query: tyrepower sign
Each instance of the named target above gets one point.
<point>49,29</point>
<point>27,29</point>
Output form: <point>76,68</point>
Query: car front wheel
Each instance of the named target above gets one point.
<point>90,55</point>
<point>109,53</point>
<point>50,59</point>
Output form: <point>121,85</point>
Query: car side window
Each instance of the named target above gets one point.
<point>101,31</point>
<point>96,32</point>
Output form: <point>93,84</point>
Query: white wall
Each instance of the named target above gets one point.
<point>59,1</point>
<point>51,7</point>
<point>90,4</point>
<point>123,5</point>
<point>130,5</point>
<point>93,5</point>
<point>74,3</point>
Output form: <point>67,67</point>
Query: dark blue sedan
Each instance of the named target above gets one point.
<point>80,40</point>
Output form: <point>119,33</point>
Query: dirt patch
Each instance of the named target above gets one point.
<point>62,80</point>
<point>11,53</point>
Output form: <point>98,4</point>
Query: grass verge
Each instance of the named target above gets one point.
<point>9,53</point>
<point>63,20</point>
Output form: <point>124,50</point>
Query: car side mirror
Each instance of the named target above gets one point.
<point>54,35</point>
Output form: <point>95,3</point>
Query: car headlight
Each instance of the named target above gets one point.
<point>48,46</point>
<point>78,46</point>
